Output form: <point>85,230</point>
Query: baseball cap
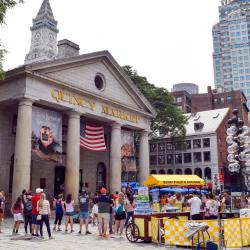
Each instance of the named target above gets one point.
<point>39,190</point>
<point>103,190</point>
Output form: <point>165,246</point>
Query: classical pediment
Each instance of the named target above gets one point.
<point>80,72</point>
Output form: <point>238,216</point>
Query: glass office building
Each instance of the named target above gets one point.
<point>231,40</point>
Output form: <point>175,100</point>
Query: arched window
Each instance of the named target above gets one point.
<point>153,172</point>
<point>131,176</point>
<point>170,171</point>
<point>198,172</point>
<point>178,171</point>
<point>162,171</point>
<point>124,176</point>
<point>188,171</point>
<point>207,173</point>
<point>100,176</point>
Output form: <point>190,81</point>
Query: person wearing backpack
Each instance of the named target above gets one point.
<point>27,211</point>
<point>120,214</point>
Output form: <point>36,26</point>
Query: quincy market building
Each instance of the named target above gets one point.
<point>41,105</point>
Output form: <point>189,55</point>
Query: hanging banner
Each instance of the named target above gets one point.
<point>127,151</point>
<point>46,135</point>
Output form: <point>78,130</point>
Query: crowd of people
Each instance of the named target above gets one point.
<point>109,212</point>
<point>209,204</point>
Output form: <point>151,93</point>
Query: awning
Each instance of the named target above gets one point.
<point>159,180</point>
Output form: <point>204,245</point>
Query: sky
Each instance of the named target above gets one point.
<point>168,41</point>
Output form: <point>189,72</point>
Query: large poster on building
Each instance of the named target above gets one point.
<point>46,135</point>
<point>127,151</point>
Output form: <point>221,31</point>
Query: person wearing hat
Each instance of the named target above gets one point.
<point>103,202</point>
<point>35,223</point>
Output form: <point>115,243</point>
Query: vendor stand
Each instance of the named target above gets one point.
<point>147,224</point>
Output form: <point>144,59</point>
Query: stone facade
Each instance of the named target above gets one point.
<point>92,87</point>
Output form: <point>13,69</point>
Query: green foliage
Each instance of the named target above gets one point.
<point>4,6</point>
<point>169,119</point>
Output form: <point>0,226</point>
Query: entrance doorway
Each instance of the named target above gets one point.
<point>59,180</point>
<point>100,176</point>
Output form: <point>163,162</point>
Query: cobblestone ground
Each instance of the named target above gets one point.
<point>65,241</point>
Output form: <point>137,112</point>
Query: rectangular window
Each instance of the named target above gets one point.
<point>169,159</point>
<point>153,147</point>
<point>161,147</point>
<point>187,157</point>
<point>169,146</point>
<point>197,157</point>
<point>178,99</point>
<point>197,143</point>
<point>206,143</point>
<point>153,160</point>
<point>178,158</point>
<point>207,156</point>
<point>188,144</point>
<point>161,159</point>
<point>178,146</point>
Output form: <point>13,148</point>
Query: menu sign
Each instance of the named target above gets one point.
<point>142,201</point>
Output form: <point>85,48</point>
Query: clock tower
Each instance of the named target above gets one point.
<point>43,36</point>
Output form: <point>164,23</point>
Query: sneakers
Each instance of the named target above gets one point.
<point>88,232</point>
<point>80,232</point>
<point>51,238</point>
<point>72,231</point>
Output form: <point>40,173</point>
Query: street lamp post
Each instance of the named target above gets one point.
<point>238,149</point>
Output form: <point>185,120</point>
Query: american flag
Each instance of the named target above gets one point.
<point>92,137</point>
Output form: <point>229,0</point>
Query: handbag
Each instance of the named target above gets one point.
<point>39,217</point>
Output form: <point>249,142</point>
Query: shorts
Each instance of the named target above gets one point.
<point>18,217</point>
<point>121,216</point>
<point>103,218</point>
<point>83,215</point>
<point>34,220</point>
<point>70,213</point>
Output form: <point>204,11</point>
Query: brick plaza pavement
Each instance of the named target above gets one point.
<point>65,241</point>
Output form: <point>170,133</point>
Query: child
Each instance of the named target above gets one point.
<point>94,213</point>
<point>17,211</point>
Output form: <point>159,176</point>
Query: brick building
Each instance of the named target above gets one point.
<point>216,99</point>
<point>183,100</point>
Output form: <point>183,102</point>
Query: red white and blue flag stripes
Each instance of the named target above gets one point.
<point>92,137</point>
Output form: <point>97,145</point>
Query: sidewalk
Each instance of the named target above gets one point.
<point>65,241</point>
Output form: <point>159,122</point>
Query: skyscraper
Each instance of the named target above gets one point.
<point>231,40</point>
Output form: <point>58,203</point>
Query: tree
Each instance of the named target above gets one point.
<point>4,6</point>
<point>169,120</point>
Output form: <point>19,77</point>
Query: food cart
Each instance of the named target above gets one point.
<point>143,226</point>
